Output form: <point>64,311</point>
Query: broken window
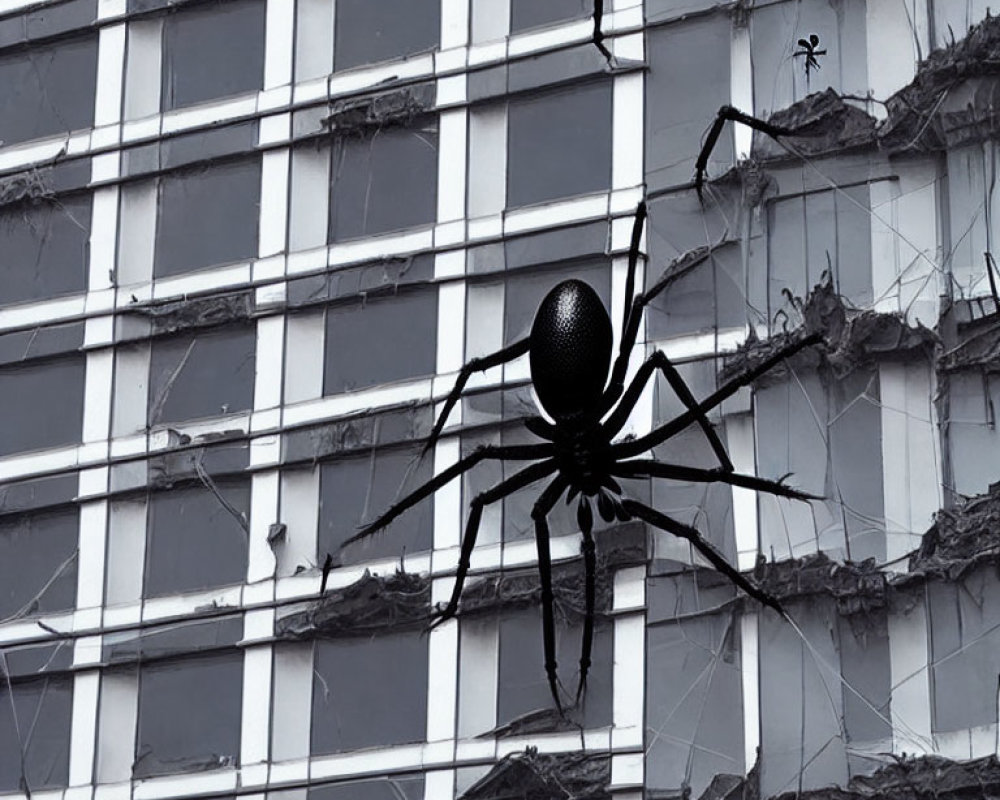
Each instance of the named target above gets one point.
<point>523,686</point>
<point>525,14</point>
<point>43,404</point>
<point>207,215</point>
<point>355,489</point>
<point>38,564</point>
<point>394,787</point>
<point>368,32</point>
<point>559,144</point>
<point>45,243</point>
<point>385,180</point>
<point>189,715</point>
<point>369,691</point>
<point>197,536</point>
<point>202,374</point>
<point>35,721</point>
<point>377,340</point>
<point>48,89</point>
<point>212,51</point>
<point>694,728</point>
<point>973,396</point>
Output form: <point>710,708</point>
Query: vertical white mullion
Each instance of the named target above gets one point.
<point>83,727</point>
<point>110,75</point>
<point>750,662</point>
<point>452,139</point>
<point>629,677</point>
<point>447,503</point>
<point>741,87</point>
<point>627,130</point>
<point>256,715</point>
<point>143,65</point>
<point>97,394</point>
<point>263,512</point>
<point>454,23</point>
<point>103,238</point>
<point>274,174</point>
<point>740,442</point>
<point>92,547</point>
<point>278,43</point>
<point>442,668</point>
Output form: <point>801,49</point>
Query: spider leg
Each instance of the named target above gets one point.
<point>729,113</point>
<point>657,469</point>
<point>539,512</point>
<point>660,361</point>
<point>707,549</point>
<point>516,481</point>
<point>636,447</point>
<point>508,353</point>
<point>590,590</point>
<point>526,452</point>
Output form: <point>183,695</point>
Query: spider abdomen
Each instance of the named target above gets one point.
<point>570,351</point>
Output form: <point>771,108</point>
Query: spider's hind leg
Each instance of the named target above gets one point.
<point>731,114</point>
<point>590,590</point>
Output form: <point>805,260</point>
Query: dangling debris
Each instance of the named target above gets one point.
<point>545,776</point>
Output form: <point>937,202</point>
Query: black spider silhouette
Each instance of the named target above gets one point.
<point>810,52</point>
<point>570,348</point>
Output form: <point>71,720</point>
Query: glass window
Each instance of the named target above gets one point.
<point>38,562</point>
<point>43,404</point>
<point>526,14</point>
<point>395,787</point>
<point>189,715</point>
<point>381,340</point>
<point>202,374</point>
<point>384,181</point>
<point>45,248</point>
<point>48,89</point>
<point>559,144</point>
<point>197,537</point>
<point>369,692</point>
<point>211,51</point>
<point>35,723</point>
<point>207,215</point>
<point>368,32</point>
<point>358,488</point>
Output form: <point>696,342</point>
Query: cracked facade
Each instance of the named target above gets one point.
<point>245,245</point>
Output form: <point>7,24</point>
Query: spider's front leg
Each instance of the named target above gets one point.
<point>730,114</point>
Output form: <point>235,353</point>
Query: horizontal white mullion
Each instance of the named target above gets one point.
<point>701,344</point>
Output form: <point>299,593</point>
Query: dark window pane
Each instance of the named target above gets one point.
<point>384,182</point>
<point>44,249</point>
<point>48,89</point>
<point>195,541</point>
<point>522,683</point>
<point>525,292</point>
<point>43,708</point>
<point>215,50</point>
<point>207,216</point>
<point>380,341</point>
<point>189,715</point>
<point>559,144</point>
<point>368,32</point>
<point>201,374</point>
<point>358,488</point>
<point>369,692</point>
<point>388,788</point>
<point>526,14</point>
<point>34,550</point>
<point>43,404</point>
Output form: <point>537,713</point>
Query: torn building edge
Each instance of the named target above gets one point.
<point>971,336</point>
<point>192,314</point>
<point>31,186</point>
<point>851,339</point>
<point>362,115</point>
<point>553,776</point>
<point>372,604</point>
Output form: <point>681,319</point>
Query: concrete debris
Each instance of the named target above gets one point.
<point>961,537</point>
<point>202,312</point>
<point>30,186</point>
<point>976,341</point>
<point>821,123</point>
<point>851,338</point>
<point>373,112</point>
<point>372,604</point>
<point>545,776</point>
<point>858,588</point>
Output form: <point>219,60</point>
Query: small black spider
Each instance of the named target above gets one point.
<point>570,349</point>
<point>810,52</point>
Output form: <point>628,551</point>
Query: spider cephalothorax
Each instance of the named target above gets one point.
<point>570,349</point>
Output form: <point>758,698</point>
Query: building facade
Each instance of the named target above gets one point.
<point>245,248</point>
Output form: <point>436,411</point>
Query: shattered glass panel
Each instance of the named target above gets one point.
<point>380,340</point>
<point>48,89</point>
<point>396,787</point>
<point>207,215</point>
<point>694,680</point>
<point>43,404</point>
<point>522,683</point>
<point>973,397</point>
<point>210,51</point>
<point>525,14</point>
<point>35,721</point>
<point>368,32</point>
<point>38,562</point>
<point>384,181</point>
<point>197,537</point>
<point>202,374</point>
<point>357,488</point>
<point>369,691</point>
<point>189,715</point>
<point>45,248</point>
<point>559,144</point>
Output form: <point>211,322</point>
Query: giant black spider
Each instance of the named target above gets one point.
<point>570,348</point>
